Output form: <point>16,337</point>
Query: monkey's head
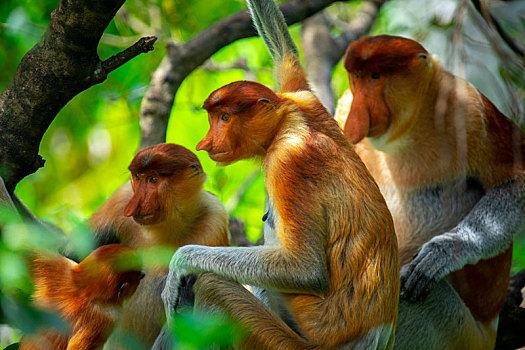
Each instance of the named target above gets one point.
<point>162,177</point>
<point>387,76</point>
<point>109,275</point>
<point>243,118</point>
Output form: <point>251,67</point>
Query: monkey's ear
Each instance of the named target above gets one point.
<point>266,101</point>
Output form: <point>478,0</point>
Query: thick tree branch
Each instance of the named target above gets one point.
<point>182,59</point>
<point>322,51</point>
<point>62,64</point>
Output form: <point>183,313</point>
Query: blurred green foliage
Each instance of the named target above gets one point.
<point>193,331</point>
<point>92,140</point>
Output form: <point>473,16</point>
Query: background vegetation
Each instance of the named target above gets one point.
<point>91,142</point>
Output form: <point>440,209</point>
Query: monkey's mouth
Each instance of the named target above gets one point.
<point>218,156</point>
<point>143,219</point>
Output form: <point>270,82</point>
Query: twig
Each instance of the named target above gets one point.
<point>491,21</point>
<point>144,45</point>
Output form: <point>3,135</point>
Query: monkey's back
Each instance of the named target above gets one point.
<point>317,172</point>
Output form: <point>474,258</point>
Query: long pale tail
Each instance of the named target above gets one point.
<point>271,26</point>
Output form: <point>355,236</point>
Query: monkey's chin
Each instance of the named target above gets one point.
<point>222,158</point>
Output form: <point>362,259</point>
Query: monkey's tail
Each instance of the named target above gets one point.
<point>271,26</point>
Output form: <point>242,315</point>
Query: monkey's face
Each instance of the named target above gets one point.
<point>221,141</point>
<point>145,206</point>
<point>163,177</point>
<point>240,121</point>
<point>384,73</point>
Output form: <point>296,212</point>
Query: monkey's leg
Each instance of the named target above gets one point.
<point>264,330</point>
<point>440,321</point>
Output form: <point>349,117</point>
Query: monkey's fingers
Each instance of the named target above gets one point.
<point>436,258</point>
<point>419,276</point>
<point>416,285</point>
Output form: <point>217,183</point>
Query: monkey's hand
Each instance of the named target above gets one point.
<point>170,294</point>
<point>436,259</point>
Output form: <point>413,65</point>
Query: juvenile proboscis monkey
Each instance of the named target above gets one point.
<point>329,264</point>
<point>88,296</point>
<point>163,204</point>
<point>450,166</point>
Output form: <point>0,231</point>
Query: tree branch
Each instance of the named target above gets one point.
<point>142,46</point>
<point>322,51</point>
<point>491,21</point>
<point>182,59</point>
<point>62,64</point>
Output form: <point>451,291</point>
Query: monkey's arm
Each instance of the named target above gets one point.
<point>268,267</point>
<point>484,233</point>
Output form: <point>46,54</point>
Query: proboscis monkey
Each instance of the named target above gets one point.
<point>163,204</point>
<point>329,264</point>
<point>450,166</point>
<point>88,296</point>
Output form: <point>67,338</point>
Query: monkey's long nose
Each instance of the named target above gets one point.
<point>133,207</point>
<point>205,144</point>
<point>358,122</point>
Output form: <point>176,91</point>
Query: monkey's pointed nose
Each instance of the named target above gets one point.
<point>204,145</point>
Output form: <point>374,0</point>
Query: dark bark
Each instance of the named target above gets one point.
<point>511,327</point>
<point>62,64</point>
<point>182,59</point>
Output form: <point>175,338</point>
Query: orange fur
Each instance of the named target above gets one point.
<point>327,203</point>
<point>171,211</point>
<point>434,128</point>
<point>88,296</point>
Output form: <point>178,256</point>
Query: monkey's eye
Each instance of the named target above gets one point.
<point>194,167</point>
<point>422,55</point>
<point>225,118</point>
<point>121,288</point>
<point>137,177</point>
<point>375,75</point>
<point>153,179</point>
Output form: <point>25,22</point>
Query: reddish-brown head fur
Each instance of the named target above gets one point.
<point>85,295</point>
<point>239,115</point>
<point>110,274</point>
<point>371,62</point>
<point>383,54</point>
<point>161,175</point>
